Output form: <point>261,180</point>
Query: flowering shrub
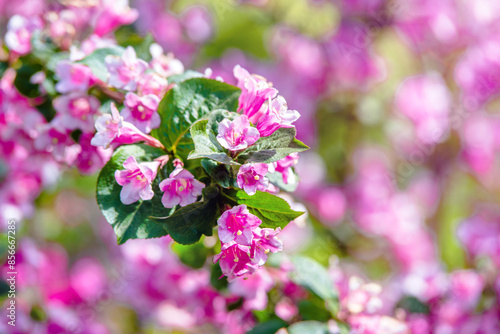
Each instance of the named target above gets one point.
<point>212,215</point>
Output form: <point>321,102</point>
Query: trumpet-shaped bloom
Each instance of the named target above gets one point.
<point>251,177</point>
<point>276,115</point>
<point>111,128</point>
<point>141,111</point>
<point>19,32</point>
<point>255,90</point>
<point>73,77</point>
<point>237,225</point>
<point>265,240</point>
<point>235,261</point>
<point>285,165</point>
<point>76,111</point>
<point>238,134</point>
<point>181,188</point>
<point>124,71</point>
<point>136,180</point>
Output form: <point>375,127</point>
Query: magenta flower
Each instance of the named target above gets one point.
<point>235,261</point>
<point>255,90</point>
<point>238,134</point>
<point>91,158</point>
<point>124,71</point>
<point>111,128</point>
<point>164,65</point>
<point>276,115</point>
<point>251,177</point>
<point>181,188</point>
<point>284,166</point>
<point>73,77</point>
<point>152,83</point>
<point>58,142</point>
<point>136,180</point>
<point>265,240</point>
<point>76,111</point>
<point>141,111</point>
<point>112,15</point>
<point>237,225</point>
<point>19,32</point>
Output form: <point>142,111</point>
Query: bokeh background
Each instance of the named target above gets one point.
<point>399,104</point>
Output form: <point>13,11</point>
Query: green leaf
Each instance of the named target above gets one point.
<point>130,221</point>
<point>194,255</point>
<point>96,62</point>
<point>186,103</point>
<point>274,147</point>
<point>272,210</point>
<point>187,224</point>
<point>314,276</point>
<point>308,327</point>
<point>268,327</point>
<point>189,74</point>
<point>206,145</point>
<point>222,174</point>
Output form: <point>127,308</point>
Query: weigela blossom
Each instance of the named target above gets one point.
<point>265,240</point>
<point>152,83</point>
<point>111,128</point>
<point>114,13</point>
<point>141,111</point>
<point>73,77</point>
<point>19,33</point>
<point>275,115</point>
<point>237,224</point>
<point>91,158</point>
<point>237,134</point>
<point>255,90</point>
<point>136,180</point>
<point>181,188</point>
<point>76,111</point>
<point>251,177</point>
<point>58,142</point>
<point>234,260</point>
<point>124,71</point>
<point>284,166</point>
<point>164,65</point>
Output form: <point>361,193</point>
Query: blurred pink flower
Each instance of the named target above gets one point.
<point>254,290</point>
<point>112,14</point>
<point>19,33</point>
<point>73,77</point>
<point>125,71</point>
<point>76,111</point>
<point>141,111</point>
<point>136,180</point>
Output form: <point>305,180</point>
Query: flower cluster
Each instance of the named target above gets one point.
<point>244,244</point>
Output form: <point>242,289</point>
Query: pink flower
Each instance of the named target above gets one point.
<point>76,111</point>
<point>164,65</point>
<point>255,90</point>
<point>235,261</point>
<point>237,225</point>
<point>19,32</point>
<point>91,158</point>
<point>466,287</point>
<point>275,115</point>
<point>238,134</point>
<point>73,77</point>
<point>114,14</point>
<point>111,128</point>
<point>284,166</point>
<point>251,177</point>
<point>152,83</point>
<point>181,188</point>
<point>265,240</point>
<point>124,71</point>
<point>425,100</point>
<point>254,290</point>
<point>58,142</point>
<point>141,111</point>
<point>136,180</point>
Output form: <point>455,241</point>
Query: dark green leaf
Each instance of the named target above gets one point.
<point>274,147</point>
<point>194,255</point>
<point>218,280</point>
<point>268,327</point>
<point>314,276</point>
<point>96,61</point>
<point>206,145</point>
<point>188,102</point>
<point>308,327</point>
<point>130,221</point>
<point>222,174</point>
<point>272,210</point>
<point>187,224</point>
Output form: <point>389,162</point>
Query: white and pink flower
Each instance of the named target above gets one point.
<point>237,224</point>
<point>181,188</point>
<point>73,77</point>
<point>142,111</point>
<point>19,32</point>
<point>125,71</point>
<point>251,177</point>
<point>76,111</point>
<point>237,134</point>
<point>136,180</point>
